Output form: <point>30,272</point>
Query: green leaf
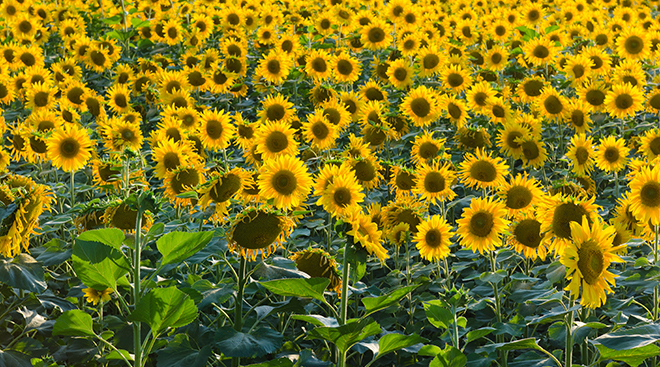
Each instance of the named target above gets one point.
<point>633,357</point>
<point>552,315</point>
<point>449,357</point>
<point>438,314</point>
<point>74,323</point>
<point>317,320</point>
<point>391,342</point>
<point>54,253</point>
<point>178,246</point>
<point>112,20</point>
<point>529,343</point>
<point>112,237</point>
<point>234,343</point>
<point>429,350</point>
<point>12,358</point>
<point>113,355</point>
<point>344,337</point>
<point>98,265</point>
<point>479,333</point>
<point>309,288</point>
<point>23,272</point>
<point>373,304</point>
<point>164,307</point>
<point>179,352</point>
<point>636,337</point>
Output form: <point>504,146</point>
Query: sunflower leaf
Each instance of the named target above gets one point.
<point>633,357</point>
<point>374,304</point>
<point>162,308</point>
<point>391,342</point>
<point>74,323</point>
<point>234,343</point>
<point>178,246</point>
<point>307,288</point>
<point>344,337</point>
<point>98,266</point>
<point>23,272</point>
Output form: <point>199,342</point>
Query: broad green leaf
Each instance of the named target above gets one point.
<point>438,314</point>
<point>112,237</point>
<point>178,246</point>
<point>164,307</point>
<point>112,20</point>
<point>373,304</point>
<point>74,323</point>
<point>633,357</point>
<point>391,342</point>
<point>317,320</point>
<point>552,315</point>
<point>113,355</point>
<point>344,337</point>
<point>449,357</point>
<point>234,343</point>
<point>179,352</point>
<point>97,265</point>
<point>636,337</point>
<point>53,253</point>
<point>430,350</point>
<point>529,343</point>
<point>12,358</point>
<point>479,333</point>
<point>310,288</point>
<point>23,272</point>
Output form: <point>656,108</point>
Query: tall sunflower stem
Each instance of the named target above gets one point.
<point>238,306</point>
<point>72,188</point>
<point>656,290</point>
<point>568,362</point>
<point>343,306</point>
<point>137,280</point>
<point>498,305</point>
<point>616,182</point>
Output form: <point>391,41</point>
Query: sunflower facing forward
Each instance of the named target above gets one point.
<point>645,195</point>
<point>433,238</point>
<point>587,258</point>
<point>482,225</point>
<point>482,170</point>
<point>284,179</point>
<point>69,147</point>
<point>612,154</point>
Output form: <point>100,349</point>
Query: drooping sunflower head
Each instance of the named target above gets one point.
<point>259,230</point>
<point>318,264</point>
<point>470,138</point>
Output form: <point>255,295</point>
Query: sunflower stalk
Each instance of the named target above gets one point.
<point>656,291</point>
<point>137,252</point>
<point>238,305</point>
<point>343,311</point>
<point>498,305</point>
<point>568,362</point>
<point>72,188</point>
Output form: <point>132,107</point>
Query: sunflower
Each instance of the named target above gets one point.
<point>482,170</point>
<point>30,201</point>
<point>612,154</point>
<point>433,183</point>
<point>650,144</point>
<point>482,225</point>
<point>421,106</point>
<point>107,173</point>
<point>521,195</point>
<point>499,110</point>
<point>433,238</point>
<point>376,35</point>
<point>169,155</point>
<point>539,51</point>
<point>624,100</point>
<point>367,170</point>
<point>578,68</point>
<point>456,78</point>
<point>277,108</point>
<point>120,134</point>
<point>216,129</point>
<point>645,195</point>
<point>579,116</point>
<point>497,58</point>
<point>400,74</point>
<point>530,89</point>
<point>582,153</point>
<point>94,297</point>
<point>552,105</point>
<point>509,138</point>
<point>345,68</point>
<point>559,211</point>
<point>526,237</point>
<point>471,138</point>
<point>274,67</point>
<point>183,179</point>
<point>276,139</point>
<point>259,230</point>
<point>534,152</point>
<point>426,148</point>
<point>318,65</point>
<point>372,91</point>
<point>365,233</point>
<point>40,96</point>
<point>633,43</point>
<point>319,132</point>
<point>220,188</point>
<point>340,195</point>
<point>286,180</point>
<point>69,147</point>
<point>336,113</point>
<point>318,264</point>
<point>587,259</point>
<point>429,61</point>
<point>402,180</point>
<point>454,109</point>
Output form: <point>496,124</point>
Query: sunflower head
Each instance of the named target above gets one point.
<point>259,230</point>
<point>318,264</point>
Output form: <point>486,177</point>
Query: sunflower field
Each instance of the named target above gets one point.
<point>336,183</point>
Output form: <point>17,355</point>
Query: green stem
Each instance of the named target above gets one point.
<point>343,307</point>
<point>72,189</point>
<point>137,285</point>
<point>616,181</point>
<point>238,306</point>
<point>568,362</point>
<point>498,305</point>
<point>655,262</point>
<point>115,349</point>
